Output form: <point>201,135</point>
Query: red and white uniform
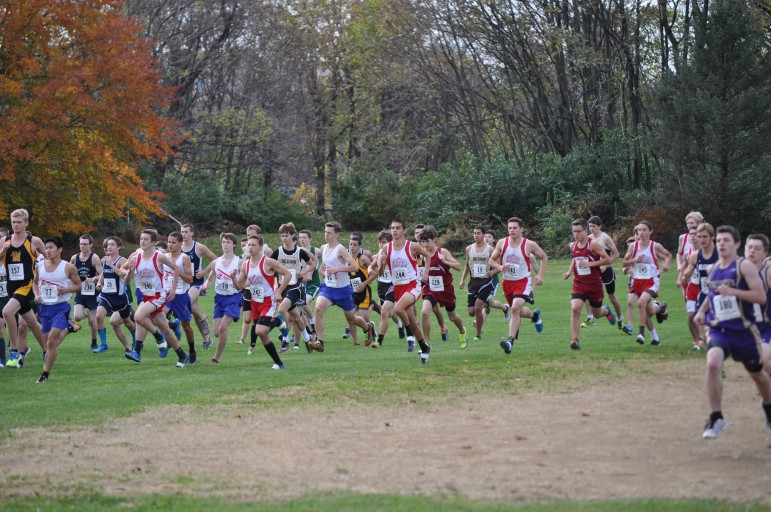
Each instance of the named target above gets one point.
<point>693,288</point>
<point>439,285</point>
<point>404,270</point>
<point>260,284</point>
<point>687,247</point>
<point>645,274</point>
<point>587,282</point>
<point>517,281</point>
<point>149,279</point>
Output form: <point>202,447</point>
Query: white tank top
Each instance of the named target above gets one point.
<point>292,262</point>
<point>516,264</point>
<point>148,275</point>
<point>332,259</point>
<point>479,262</point>
<point>648,268</point>
<point>3,282</point>
<point>404,268</point>
<point>168,276</point>
<point>258,282</point>
<point>222,275</point>
<point>50,282</point>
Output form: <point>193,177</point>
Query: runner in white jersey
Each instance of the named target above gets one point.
<point>54,283</point>
<point>336,289</point>
<point>197,251</point>
<point>258,274</point>
<point>145,266</point>
<point>684,245</point>
<point>512,256</point>
<point>385,292</point>
<point>181,305</point>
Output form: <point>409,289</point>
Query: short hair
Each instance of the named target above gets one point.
<point>491,233</point>
<point>384,235</point>
<point>647,223</point>
<point>115,239</point>
<point>257,238</point>
<point>58,242</point>
<point>420,226</point>
<point>161,244</point>
<point>188,226</point>
<point>429,233</point>
<point>596,220</point>
<point>176,235</point>
<point>399,221</point>
<point>229,236</point>
<point>730,229</point>
<point>255,228</point>
<point>356,237</point>
<point>334,225</point>
<point>87,237</point>
<point>21,212</point>
<point>763,239</point>
<point>706,226</point>
<point>514,219</point>
<point>307,232</point>
<point>150,231</point>
<point>244,239</point>
<point>287,228</point>
<point>697,216</point>
<point>581,222</point>
<point>480,228</point>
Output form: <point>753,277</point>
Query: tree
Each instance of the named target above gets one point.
<point>79,112</point>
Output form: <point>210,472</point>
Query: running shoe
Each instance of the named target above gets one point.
<point>537,321</point>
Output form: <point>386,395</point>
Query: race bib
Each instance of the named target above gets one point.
<point>293,279</point>
<point>224,287</point>
<point>436,283</point>
<point>386,277</point>
<point>330,279</point>
<point>582,271</point>
<point>420,273</point>
<point>49,294</point>
<point>258,294</point>
<point>642,271</point>
<point>16,272</point>
<point>3,289</point>
<point>355,282</point>
<point>147,287</point>
<point>400,276</point>
<point>511,271</point>
<point>109,286</point>
<point>704,284</point>
<point>726,308</point>
<point>87,288</point>
<point>478,270</point>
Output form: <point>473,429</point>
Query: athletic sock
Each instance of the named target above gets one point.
<point>180,353</point>
<point>158,337</point>
<point>93,342</point>
<point>306,335</point>
<point>139,346</point>
<point>380,339</point>
<point>270,348</point>
<point>191,347</point>
<point>399,324</point>
<point>253,339</point>
<point>103,336</point>
<point>408,329</point>
<point>423,346</point>
<point>133,336</point>
<point>654,334</point>
<point>642,330</point>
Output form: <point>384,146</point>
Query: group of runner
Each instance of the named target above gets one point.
<point>727,297</point>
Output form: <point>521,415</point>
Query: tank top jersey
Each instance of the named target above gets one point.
<point>112,284</point>
<point>332,259</point>
<point>479,262</point>
<point>223,282</point>
<point>402,265</point>
<point>687,246</point>
<point>3,283</point>
<point>293,261</point>
<point>360,275</point>
<point>168,276</point>
<point>589,275</point>
<point>729,311</point>
<point>259,282</point>
<point>86,269</point>
<point>149,275</point>
<point>195,262</point>
<point>648,268</point>
<point>439,277</point>
<point>694,280</point>
<point>19,265</point>
<point>702,269</point>
<point>515,261</point>
<point>50,282</point>
<point>315,277</point>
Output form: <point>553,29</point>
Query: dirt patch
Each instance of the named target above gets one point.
<point>636,438</point>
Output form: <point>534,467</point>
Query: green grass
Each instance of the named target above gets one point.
<point>92,389</point>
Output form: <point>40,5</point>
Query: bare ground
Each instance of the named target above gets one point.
<point>634,438</point>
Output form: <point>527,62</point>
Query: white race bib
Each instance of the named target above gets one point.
<point>400,276</point>
<point>330,279</point>
<point>224,287</point>
<point>3,289</point>
<point>704,284</point>
<point>355,282</point>
<point>109,286</point>
<point>147,287</point>
<point>582,271</point>
<point>257,294</point>
<point>478,270</point>
<point>642,271</point>
<point>293,279</point>
<point>49,294</point>
<point>436,283</point>
<point>726,308</point>
<point>16,272</point>
<point>511,271</point>
<point>87,288</point>
<point>386,277</point>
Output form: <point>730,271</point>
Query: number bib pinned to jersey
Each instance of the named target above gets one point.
<point>400,276</point>
<point>224,287</point>
<point>258,294</point>
<point>642,271</point>
<point>330,279</point>
<point>146,287</point>
<point>479,270</point>
<point>355,282</point>
<point>109,286</point>
<point>436,283</point>
<point>87,289</point>
<point>3,289</point>
<point>585,271</point>
<point>726,308</point>
<point>49,294</point>
<point>511,272</point>
<point>16,272</point>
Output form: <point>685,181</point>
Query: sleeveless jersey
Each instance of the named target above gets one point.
<point>479,262</point>
<point>515,261</point>
<point>315,277</point>
<point>19,265</point>
<point>439,277</point>
<point>168,277</point>
<point>701,271</point>
<point>360,275</point>
<point>50,282</point>
<point>728,311</point>
<point>588,275</point>
<point>148,275</point>
<point>686,245</point>
<point>403,267</point>
<point>86,269</point>
<point>648,268</point>
<point>223,282</point>
<point>332,259</point>
<point>195,262</point>
<point>386,277</point>
<point>259,283</point>
<point>293,261</point>
<point>112,284</point>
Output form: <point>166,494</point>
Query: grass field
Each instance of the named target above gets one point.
<point>93,390</point>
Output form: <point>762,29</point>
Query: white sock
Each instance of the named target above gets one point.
<point>654,334</point>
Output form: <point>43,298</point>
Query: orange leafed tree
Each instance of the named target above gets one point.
<point>81,107</point>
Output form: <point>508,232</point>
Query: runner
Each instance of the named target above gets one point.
<point>89,269</point>
<point>385,291</point>
<point>588,258</point>
<point>311,286</point>
<point>196,252</point>
<point>735,288</point>
<point>703,256</point>
<point>180,306</point>
<point>608,274</point>
<point>756,249</point>
<point>512,256</point>
<point>227,298</point>
<point>55,281</point>
<point>362,293</point>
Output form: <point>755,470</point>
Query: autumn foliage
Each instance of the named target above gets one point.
<point>81,107</point>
